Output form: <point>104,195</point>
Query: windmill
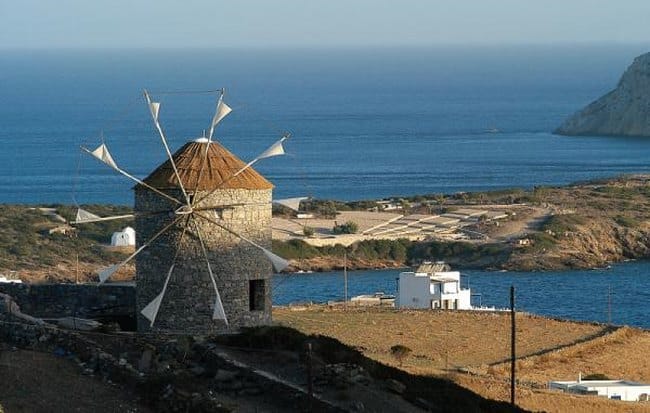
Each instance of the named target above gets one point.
<point>203,223</point>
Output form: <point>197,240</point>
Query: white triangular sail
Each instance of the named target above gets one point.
<point>292,203</point>
<point>151,310</point>
<point>84,216</point>
<point>222,111</point>
<point>154,107</point>
<point>277,262</point>
<point>104,155</point>
<point>274,150</point>
<point>219,313</point>
<point>106,273</point>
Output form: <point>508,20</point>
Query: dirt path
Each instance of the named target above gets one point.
<point>509,230</point>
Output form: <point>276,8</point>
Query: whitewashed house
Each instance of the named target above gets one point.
<point>124,238</point>
<point>612,389</point>
<point>432,286</point>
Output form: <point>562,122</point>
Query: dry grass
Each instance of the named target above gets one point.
<point>439,339</point>
<point>478,342</point>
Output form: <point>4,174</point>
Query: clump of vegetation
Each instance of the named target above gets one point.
<point>542,241</point>
<point>400,353</point>
<point>295,249</point>
<point>381,249</point>
<point>458,252</point>
<point>626,221</point>
<point>595,376</point>
<point>308,231</point>
<point>349,227</point>
<point>561,224</point>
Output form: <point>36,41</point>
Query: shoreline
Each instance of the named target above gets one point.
<point>587,225</point>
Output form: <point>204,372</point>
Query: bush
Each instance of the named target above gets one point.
<point>559,224</point>
<point>307,231</point>
<point>400,353</point>
<point>349,227</point>
<point>629,222</point>
<point>595,376</point>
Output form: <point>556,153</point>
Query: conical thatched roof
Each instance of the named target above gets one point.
<point>220,165</point>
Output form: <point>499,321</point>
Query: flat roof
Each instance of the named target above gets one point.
<point>601,383</point>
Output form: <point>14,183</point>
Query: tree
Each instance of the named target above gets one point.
<point>400,353</point>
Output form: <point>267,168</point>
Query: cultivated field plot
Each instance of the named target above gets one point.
<point>479,342</point>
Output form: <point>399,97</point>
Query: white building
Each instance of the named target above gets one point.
<point>124,238</point>
<point>432,285</point>
<point>612,389</point>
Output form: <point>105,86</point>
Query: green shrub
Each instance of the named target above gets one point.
<point>559,224</point>
<point>349,227</point>
<point>625,221</point>
<point>308,231</point>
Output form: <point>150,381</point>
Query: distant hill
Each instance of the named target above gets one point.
<point>625,111</point>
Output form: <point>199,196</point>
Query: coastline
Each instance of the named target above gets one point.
<point>588,225</point>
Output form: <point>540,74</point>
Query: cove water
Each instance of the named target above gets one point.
<point>577,295</point>
<point>366,123</point>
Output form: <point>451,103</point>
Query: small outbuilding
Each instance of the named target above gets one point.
<point>124,238</point>
<point>612,389</point>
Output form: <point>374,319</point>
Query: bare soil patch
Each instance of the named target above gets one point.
<point>41,382</point>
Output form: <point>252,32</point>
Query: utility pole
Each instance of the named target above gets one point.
<point>310,379</point>
<point>76,278</point>
<point>512,348</point>
<point>345,277</point>
<point>609,304</point>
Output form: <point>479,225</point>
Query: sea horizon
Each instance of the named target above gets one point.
<point>374,124</point>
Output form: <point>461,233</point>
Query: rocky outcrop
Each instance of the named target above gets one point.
<point>625,111</point>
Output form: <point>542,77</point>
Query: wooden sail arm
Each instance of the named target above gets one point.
<point>273,150</point>
<point>278,262</point>
<point>106,158</point>
<point>218,312</point>
<point>154,108</point>
<point>150,311</point>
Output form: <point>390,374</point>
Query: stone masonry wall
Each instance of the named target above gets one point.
<point>189,300</point>
<point>67,300</point>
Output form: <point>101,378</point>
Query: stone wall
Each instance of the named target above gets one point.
<point>190,297</point>
<point>115,301</point>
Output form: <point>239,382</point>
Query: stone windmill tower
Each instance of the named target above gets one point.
<point>203,225</point>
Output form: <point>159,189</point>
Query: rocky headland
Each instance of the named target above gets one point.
<point>621,112</point>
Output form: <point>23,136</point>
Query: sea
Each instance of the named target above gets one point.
<point>365,124</point>
<point>618,294</point>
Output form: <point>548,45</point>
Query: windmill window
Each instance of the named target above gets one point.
<point>256,295</point>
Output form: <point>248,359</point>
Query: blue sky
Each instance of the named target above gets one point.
<point>322,23</point>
